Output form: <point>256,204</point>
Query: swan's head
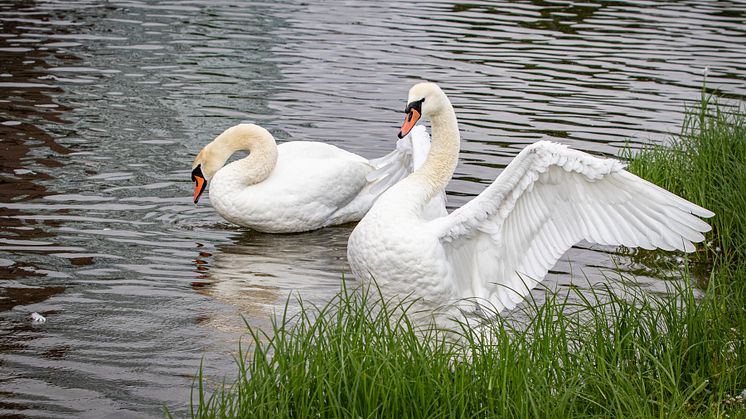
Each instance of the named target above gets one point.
<point>202,171</point>
<point>210,159</point>
<point>425,100</point>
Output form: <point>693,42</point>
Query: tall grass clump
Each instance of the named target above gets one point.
<point>608,355</point>
<point>588,353</point>
<point>706,164</point>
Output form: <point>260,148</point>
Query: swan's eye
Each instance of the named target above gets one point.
<point>197,171</point>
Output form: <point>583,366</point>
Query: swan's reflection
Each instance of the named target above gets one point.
<point>256,272</point>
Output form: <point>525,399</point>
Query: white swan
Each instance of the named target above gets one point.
<point>503,242</point>
<point>298,185</point>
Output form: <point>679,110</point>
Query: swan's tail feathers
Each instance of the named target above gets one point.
<point>409,154</point>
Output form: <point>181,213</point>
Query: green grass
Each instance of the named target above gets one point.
<point>706,163</point>
<point>598,354</point>
<point>609,355</point>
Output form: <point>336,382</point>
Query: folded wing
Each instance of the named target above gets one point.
<point>411,151</point>
<point>409,154</point>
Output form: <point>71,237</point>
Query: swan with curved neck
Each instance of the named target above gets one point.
<point>298,185</point>
<point>248,171</point>
<point>498,246</point>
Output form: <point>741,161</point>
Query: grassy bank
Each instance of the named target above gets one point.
<point>633,354</point>
<point>706,163</point>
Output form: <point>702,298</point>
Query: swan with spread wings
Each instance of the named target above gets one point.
<point>502,243</point>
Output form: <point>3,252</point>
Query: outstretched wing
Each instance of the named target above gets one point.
<point>503,242</point>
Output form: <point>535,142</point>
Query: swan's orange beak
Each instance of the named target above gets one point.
<point>414,113</point>
<point>199,188</point>
<point>412,117</point>
<point>199,182</point>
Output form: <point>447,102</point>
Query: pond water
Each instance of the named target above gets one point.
<point>103,106</point>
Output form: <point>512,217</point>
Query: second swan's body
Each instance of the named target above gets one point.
<point>298,185</point>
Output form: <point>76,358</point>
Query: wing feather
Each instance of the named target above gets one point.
<point>549,198</point>
<point>411,151</point>
<point>409,154</point>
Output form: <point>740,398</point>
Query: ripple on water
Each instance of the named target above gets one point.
<point>105,106</point>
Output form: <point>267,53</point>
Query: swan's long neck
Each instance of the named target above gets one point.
<point>411,195</point>
<point>436,171</point>
<point>254,168</point>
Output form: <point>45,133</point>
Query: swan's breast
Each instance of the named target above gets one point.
<point>402,257</point>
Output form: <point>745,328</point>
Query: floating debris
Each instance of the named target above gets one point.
<point>37,318</point>
<point>24,172</point>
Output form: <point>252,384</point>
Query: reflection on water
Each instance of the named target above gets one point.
<point>104,105</point>
<point>256,272</point>
<point>25,104</point>
<point>25,101</point>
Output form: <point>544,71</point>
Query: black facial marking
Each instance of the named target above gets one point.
<point>197,171</point>
<point>417,105</point>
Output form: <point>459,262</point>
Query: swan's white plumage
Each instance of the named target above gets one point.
<point>411,152</point>
<point>310,185</point>
<point>549,198</point>
<point>503,242</point>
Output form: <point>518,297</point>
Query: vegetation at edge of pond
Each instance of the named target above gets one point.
<point>706,164</point>
<point>628,354</point>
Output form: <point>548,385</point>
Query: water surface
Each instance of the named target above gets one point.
<point>104,105</point>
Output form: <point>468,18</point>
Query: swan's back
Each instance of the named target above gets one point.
<point>298,151</point>
<point>309,184</point>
